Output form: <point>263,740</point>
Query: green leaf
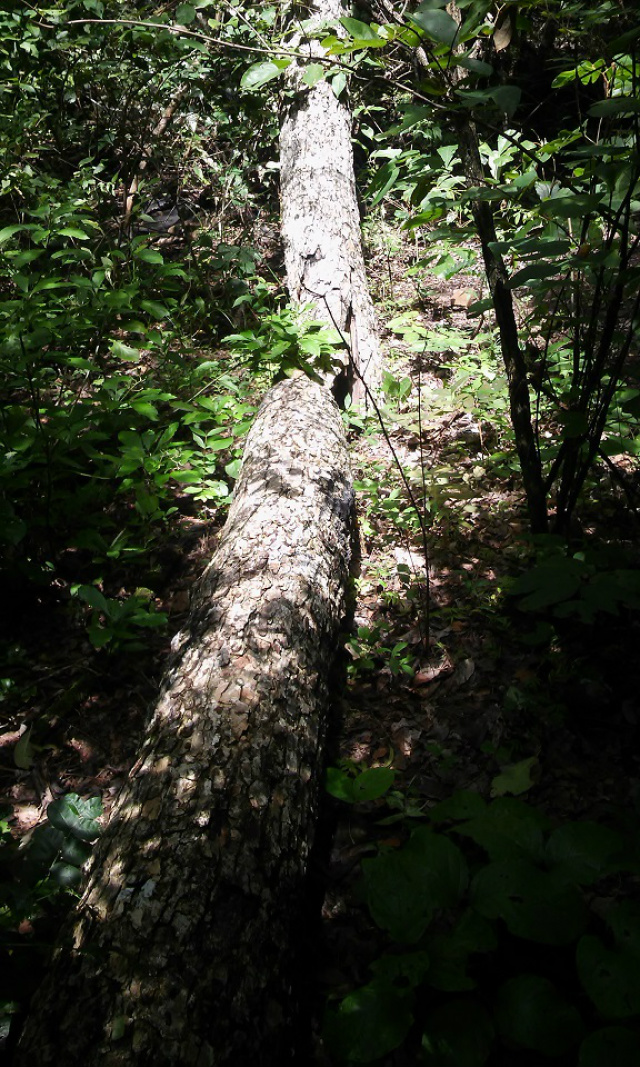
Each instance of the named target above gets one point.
<point>516,778</point>
<point>125,352</point>
<point>185,14</point>
<point>462,805</point>
<point>583,851</point>
<point>75,852</point>
<point>610,977</point>
<point>507,98</point>
<point>143,407</point>
<point>371,784</point>
<point>548,583</point>
<point>394,884</point>
<point>8,231</point>
<point>507,829</point>
<point>73,231</point>
<point>339,83</point>
<point>369,1023</point>
<point>449,952</point>
<point>157,310</point>
<point>476,66</point>
<point>438,25</point>
<point>532,1013</point>
<point>93,597</point>
<point>66,875</point>
<point>406,968</point>
<point>24,752</point>
<point>76,816</point>
<point>445,869</point>
<point>624,921</point>
<point>458,1034</point>
<point>259,74</point>
<point>149,255</point>
<point>313,74</point>
<point>534,272</point>
<point>615,105</point>
<point>535,905</point>
<point>611,1045</point>
<point>361,31</point>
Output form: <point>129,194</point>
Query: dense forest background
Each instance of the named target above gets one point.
<point>481,892</point>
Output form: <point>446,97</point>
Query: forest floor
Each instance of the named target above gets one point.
<point>447,681</point>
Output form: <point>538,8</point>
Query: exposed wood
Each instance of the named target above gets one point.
<point>180,951</point>
<point>320,215</point>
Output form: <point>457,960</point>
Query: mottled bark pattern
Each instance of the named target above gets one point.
<point>182,941</point>
<point>320,216</point>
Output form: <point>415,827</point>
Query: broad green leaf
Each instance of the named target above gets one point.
<point>369,1023</point>
<point>361,31</point>
<point>535,905</point>
<point>615,105</point>
<point>445,872</point>
<point>24,752</point>
<point>610,977</point>
<point>339,83</point>
<point>75,852</point>
<point>93,597</point>
<point>438,25</point>
<point>259,74</point>
<point>534,272</point>
<point>8,231</point>
<point>367,785</point>
<point>149,255</point>
<point>583,851</point>
<point>123,351</point>
<point>66,874</point>
<point>507,829</point>
<point>313,74</point>
<point>516,778</point>
<point>458,1034</point>
<point>624,922</point>
<point>143,407</point>
<point>185,14</point>
<point>449,951</point>
<point>76,816</point>
<point>611,1045</point>
<point>407,968</point>
<point>43,848</point>
<point>371,784</point>
<point>73,231</point>
<point>476,66</point>
<point>395,891</point>
<point>548,583</point>
<point>157,310</point>
<point>507,98</point>
<point>533,1013</point>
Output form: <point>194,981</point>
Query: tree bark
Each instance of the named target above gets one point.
<point>320,215</point>
<point>180,951</point>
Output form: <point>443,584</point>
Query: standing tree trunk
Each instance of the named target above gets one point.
<point>180,951</point>
<point>320,216</point>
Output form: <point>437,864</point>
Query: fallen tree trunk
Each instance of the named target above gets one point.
<point>180,949</point>
<point>320,215</point>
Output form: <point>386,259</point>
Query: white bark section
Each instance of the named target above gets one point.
<point>320,216</point>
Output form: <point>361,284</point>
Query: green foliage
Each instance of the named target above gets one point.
<point>40,878</point>
<point>554,208</point>
<point>583,586</point>
<point>463,902</point>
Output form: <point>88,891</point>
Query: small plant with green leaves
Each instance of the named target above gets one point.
<point>501,933</point>
<point>41,876</point>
